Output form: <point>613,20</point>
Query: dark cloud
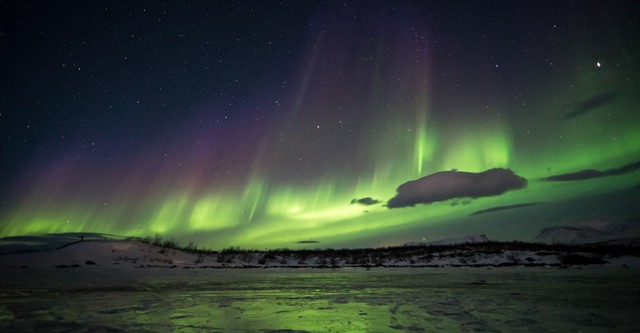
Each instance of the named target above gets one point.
<point>368,201</point>
<point>462,201</point>
<point>447,185</point>
<point>590,173</point>
<point>499,208</point>
<point>590,104</point>
<point>307,242</point>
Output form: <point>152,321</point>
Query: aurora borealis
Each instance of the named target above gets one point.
<point>257,124</point>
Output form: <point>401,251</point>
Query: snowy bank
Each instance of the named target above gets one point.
<point>131,254</point>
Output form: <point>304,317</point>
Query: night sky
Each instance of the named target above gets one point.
<point>351,124</point>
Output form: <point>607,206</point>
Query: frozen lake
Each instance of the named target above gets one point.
<point>594,299</point>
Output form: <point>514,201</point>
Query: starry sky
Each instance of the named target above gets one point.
<point>267,124</point>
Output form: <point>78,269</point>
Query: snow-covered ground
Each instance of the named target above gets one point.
<point>130,286</point>
<point>129,254</point>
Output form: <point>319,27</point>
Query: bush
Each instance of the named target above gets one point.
<point>171,243</point>
<point>190,248</point>
<point>157,241</point>
<point>232,249</point>
<point>578,259</point>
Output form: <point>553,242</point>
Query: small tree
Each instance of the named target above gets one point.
<point>157,241</point>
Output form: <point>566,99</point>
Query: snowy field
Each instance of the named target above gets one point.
<point>516,299</point>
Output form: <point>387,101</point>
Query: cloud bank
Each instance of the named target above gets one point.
<point>442,186</point>
<point>368,201</point>
<point>501,208</point>
<point>590,173</point>
<point>307,242</point>
<point>590,104</point>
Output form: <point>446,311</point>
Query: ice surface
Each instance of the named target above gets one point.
<point>593,299</point>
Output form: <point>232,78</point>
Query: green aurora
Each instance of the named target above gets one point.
<point>357,120</point>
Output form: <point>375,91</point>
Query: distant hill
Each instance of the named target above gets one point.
<point>592,231</point>
<point>47,242</point>
<point>468,239</point>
